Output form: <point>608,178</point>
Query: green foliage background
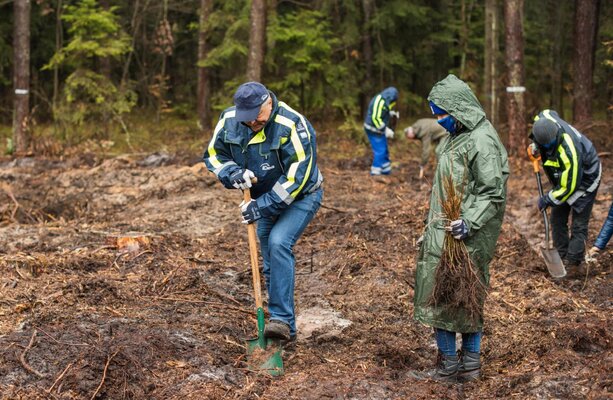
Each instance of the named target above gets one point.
<point>314,58</point>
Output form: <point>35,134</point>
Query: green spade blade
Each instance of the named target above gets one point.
<point>264,354</point>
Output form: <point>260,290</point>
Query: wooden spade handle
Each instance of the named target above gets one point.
<point>253,252</point>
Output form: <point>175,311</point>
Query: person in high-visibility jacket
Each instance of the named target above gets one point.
<point>265,138</point>
<point>376,125</point>
<point>574,170</point>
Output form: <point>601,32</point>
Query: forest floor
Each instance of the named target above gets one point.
<point>129,278</point>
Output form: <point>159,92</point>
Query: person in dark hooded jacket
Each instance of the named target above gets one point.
<point>376,125</point>
<point>473,155</point>
<point>573,168</point>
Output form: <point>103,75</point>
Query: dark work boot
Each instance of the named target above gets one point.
<point>470,366</point>
<point>277,330</point>
<point>446,370</point>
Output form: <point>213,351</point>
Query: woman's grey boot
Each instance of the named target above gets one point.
<point>469,368</point>
<point>446,369</point>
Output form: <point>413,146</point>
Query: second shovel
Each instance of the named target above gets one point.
<point>550,255</point>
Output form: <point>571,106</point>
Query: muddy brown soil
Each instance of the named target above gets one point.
<point>83,315</point>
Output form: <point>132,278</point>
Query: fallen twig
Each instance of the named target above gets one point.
<point>22,358</point>
<point>59,377</point>
<point>106,366</point>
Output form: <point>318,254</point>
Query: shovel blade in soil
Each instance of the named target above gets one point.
<point>554,263</point>
<point>265,358</point>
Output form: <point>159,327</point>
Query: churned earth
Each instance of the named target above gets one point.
<point>129,278</point>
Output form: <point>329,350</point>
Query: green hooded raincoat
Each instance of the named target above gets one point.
<point>478,163</point>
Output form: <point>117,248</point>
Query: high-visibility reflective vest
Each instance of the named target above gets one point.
<point>282,156</point>
<point>378,113</point>
<point>571,164</point>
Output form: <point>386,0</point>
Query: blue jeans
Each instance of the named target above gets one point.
<point>381,164</point>
<point>277,236</point>
<point>606,231</point>
<point>445,340</point>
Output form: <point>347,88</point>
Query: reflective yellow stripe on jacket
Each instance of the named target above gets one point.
<point>215,162</point>
<point>568,179</point>
<point>298,148</point>
<point>377,112</point>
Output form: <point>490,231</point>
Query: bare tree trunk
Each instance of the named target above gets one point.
<point>586,23</point>
<point>257,40</point>
<point>203,109</point>
<point>556,79</point>
<point>491,53</point>
<point>58,45</point>
<point>21,46</point>
<point>367,6</point>
<point>465,17</point>
<point>513,16</point>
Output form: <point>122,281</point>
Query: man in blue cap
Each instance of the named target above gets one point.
<point>265,138</point>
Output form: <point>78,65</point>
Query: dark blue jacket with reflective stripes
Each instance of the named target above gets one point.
<point>572,165</point>
<point>378,113</point>
<point>282,156</point>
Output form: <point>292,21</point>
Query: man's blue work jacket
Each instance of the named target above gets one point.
<point>282,156</point>
<point>378,114</point>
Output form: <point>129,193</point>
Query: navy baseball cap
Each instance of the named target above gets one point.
<point>248,99</point>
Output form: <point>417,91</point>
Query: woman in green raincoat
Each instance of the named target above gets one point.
<point>474,156</point>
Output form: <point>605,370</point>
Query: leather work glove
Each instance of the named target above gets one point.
<point>458,229</point>
<point>251,212</point>
<point>534,150</point>
<point>241,179</point>
<point>389,133</point>
<point>543,203</point>
<point>421,172</point>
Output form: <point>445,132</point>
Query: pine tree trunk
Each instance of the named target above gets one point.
<point>59,39</point>
<point>557,39</point>
<point>491,52</point>
<point>367,6</point>
<point>21,79</point>
<point>586,23</point>
<point>514,53</point>
<point>204,114</point>
<point>257,40</point>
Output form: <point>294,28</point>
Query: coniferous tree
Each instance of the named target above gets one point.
<point>21,77</point>
<point>203,96</point>
<point>257,40</point>
<point>586,27</point>
<point>514,53</point>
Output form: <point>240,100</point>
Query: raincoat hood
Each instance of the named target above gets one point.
<point>456,97</point>
<point>390,94</point>
<point>477,162</point>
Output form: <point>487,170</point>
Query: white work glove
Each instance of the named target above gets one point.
<point>592,254</point>
<point>250,212</point>
<point>395,114</point>
<point>389,133</point>
<point>242,180</point>
<point>458,229</point>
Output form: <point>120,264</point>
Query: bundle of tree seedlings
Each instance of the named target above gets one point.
<point>458,285</point>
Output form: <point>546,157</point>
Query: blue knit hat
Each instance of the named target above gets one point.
<point>248,100</point>
<point>436,110</point>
